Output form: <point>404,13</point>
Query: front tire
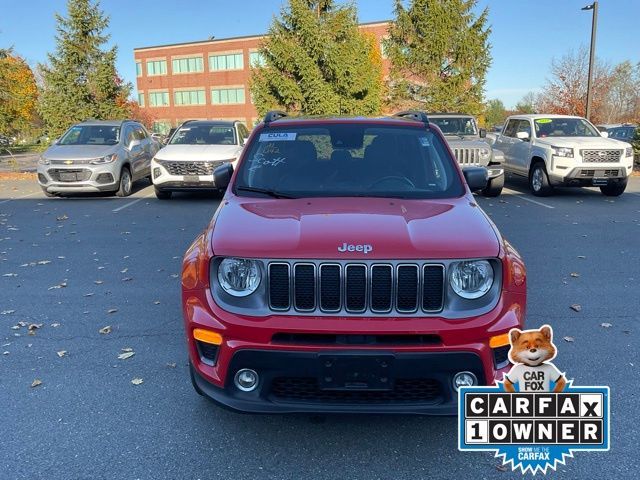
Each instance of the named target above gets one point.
<point>163,194</point>
<point>126,183</point>
<point>48,194</point>
<point>614,189</point>
<point>539,181</point>
<point>494,187</point>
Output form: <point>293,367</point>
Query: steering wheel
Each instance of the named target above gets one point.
<point>396,178</point>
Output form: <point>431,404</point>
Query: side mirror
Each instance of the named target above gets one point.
<point>134,144</point>
<point>483,132</point>
<point>476,177</point>
<point>164,141</point>
<point>222,176</point>
<point>243,142</point>
<point>55,141</point>
<point>604,134</point>
<point>524,136</point>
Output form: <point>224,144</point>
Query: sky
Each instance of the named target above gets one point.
<point>526,34</point>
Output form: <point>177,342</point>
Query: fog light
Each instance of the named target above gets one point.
<point>464,379</point>
<point>156,172</point>
<point>246,380</point>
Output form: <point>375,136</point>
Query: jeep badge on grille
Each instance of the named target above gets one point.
<point>349,247</point>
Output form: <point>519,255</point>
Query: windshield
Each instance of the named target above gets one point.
<point>348,160</point>
<point>91,135</point>
<point>564,127</point>
<point>204,135</point>
<point>455,125</point>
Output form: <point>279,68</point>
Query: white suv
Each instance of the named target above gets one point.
<point>193,152</point>
<point>562,150</point>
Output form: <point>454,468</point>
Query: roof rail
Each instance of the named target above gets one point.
<point>414,115</point>
<point>272,116</point>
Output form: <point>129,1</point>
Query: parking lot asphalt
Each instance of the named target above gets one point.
<point>70,267</point>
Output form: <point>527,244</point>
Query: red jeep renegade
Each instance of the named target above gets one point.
<point>349,269</point>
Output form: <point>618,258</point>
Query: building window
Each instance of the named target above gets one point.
<point>159,99</point>
<point>189,97</point>
<point>187,65</point>
<point>138,69</point>
<point>141,99</point>
<point>256,60</point>
<point>161,126</point>
<point>221,96</point>
<point>233,61</point>
<point>157,67</point>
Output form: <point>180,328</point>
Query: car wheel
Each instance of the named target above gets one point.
<point>163,194</point>
<point>539,181</point>
<point>614,189</point>
<point>126,183</point>
<point>193,380</point>
<point>494,187</point>
<point>48,194</point>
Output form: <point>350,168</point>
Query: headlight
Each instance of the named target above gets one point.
<point>563,152</point>
<point>238,276</point>
<point>485,152</point>
<point>628,152</point>
<point>43,161</point>
<point>471,279</point>
<point>106,159</point>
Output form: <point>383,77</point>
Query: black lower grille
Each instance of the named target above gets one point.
<point>69,174</point>
<point>306,389</point>
<point>354,339</point>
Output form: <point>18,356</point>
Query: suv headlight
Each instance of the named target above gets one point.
<point>562,152</point>
<point>239,276</point>
<point>106,159</point>
<point>485,153</point>
<point>628,152</point>
<point>471,279</point>
<point>43,161</point>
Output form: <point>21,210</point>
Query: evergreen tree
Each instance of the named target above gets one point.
<point>81,80</point>
<point>439,51</point>
<point>317,62</point>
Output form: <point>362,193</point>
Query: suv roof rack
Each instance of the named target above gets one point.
<point>272,116</point>
<point>414,115</point>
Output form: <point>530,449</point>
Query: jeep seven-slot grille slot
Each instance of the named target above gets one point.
<point>377,288</point>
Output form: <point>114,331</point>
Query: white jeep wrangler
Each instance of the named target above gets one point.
<point>562,150</point>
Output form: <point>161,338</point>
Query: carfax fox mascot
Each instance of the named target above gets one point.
<point>531,353</point>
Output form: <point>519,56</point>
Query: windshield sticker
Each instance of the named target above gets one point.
<point>424,141</point>
<point>543,120</point>
<point>278,137</point>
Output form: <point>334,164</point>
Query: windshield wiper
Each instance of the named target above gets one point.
<point>264,191</point>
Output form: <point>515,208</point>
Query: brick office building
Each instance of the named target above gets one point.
<point>206,79</point>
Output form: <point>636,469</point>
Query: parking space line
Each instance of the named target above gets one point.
<point>18,198</point>
<point>521,197</point>
<point>126,205</point>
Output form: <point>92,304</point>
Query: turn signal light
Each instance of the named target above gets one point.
<point>207,336</point>
<point>499,340</point>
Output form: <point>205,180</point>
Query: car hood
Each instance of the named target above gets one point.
<point>78,152</point>
<point>583,142</point>
<point>198,152</point>
<point>317,227</point>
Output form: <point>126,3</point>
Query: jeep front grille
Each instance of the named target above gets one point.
<point>601,156</point>
<point>191,168</point>
<point>467,156</point>
<point>355,287</point>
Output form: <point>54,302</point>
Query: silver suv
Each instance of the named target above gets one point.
<point>471,147</point>
<point>97,156</point>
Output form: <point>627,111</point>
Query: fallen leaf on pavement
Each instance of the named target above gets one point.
<point>125,355</point>
<point>44,262</point>
<point>605,325</point>
<point>112,310</point>
<point>105,330</point>
<point>7,312</point>
<point>88,295</point>
<point>575,307</point>
<point>582,257</point>
<point>171,365</point>
<point>62,217</point>
<point>137,381</point>
<point>9,274</point>
<point>568,339</point>
<point>575,275</point>
<point>124,270</point>
<point>54,325</point>
<point>34,326</point>
<point>35,383</point>
<point>60,285</point>
<point>157,302</point>
<point>62,353</point>
<point>126,349</point>
<point>98,282</point>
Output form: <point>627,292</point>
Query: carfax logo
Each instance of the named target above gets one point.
<point>535,418</point>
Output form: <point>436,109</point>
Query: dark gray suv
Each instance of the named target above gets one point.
<point>97,156</point>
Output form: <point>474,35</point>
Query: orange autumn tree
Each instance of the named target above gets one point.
<point>18,94</point>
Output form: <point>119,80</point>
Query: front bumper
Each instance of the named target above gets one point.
<point>590,174</point>
<point>297,365</point>
<point>88,178</point>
